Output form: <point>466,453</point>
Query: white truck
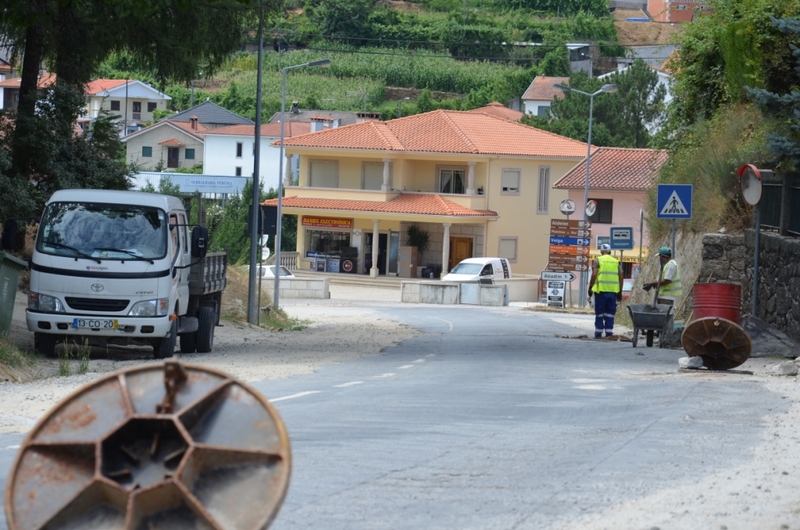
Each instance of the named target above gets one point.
<point>123,267</point>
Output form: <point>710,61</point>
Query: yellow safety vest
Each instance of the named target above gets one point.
<point>607,280</point>
<point>673,288</point>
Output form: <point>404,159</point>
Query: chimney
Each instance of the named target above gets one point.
<point>367,116</point>
<point>295,107</point>
<point>193,122</point>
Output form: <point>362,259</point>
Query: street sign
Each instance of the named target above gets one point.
<point>568,258</point>
<point>565,249</point>
<point>557,276</point>
<point>578,241</point>
<point>561,223</point>
<point>602,240</point>
<point>555,293</point>
<point>570,232</point>
<point>674,201</point>
<point>621,238</point>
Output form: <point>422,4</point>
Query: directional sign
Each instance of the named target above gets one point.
<point>621,238</point>
<point>566,249</point>
<point>570,265</point>
<point>581,242</point>
<point>568,258</point>
<point>561,223</point>
<point>603,240</point>
<point>557,276</point>
<point>674,201</point>
<point>570,232</point>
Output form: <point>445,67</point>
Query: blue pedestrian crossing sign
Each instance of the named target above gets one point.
<point>674,201</point>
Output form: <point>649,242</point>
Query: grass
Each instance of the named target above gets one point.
<point>235,301</point>
<point>12,359</point>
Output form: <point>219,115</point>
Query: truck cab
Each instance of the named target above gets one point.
<point>118,267</point>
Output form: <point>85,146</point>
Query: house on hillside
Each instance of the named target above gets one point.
<point>333,118</point>
<point>676,11</point>
<point>130,101</point>
<point>618,182</point>
<point>538,98</point>
<point>6,70</point>
<point>210,115</point>
<point>479,185</point>
<point>9,90</point>
<point>166,145</point>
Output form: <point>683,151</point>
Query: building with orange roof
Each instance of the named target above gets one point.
<point>618,182</point>
<point>166,145</point>
<point>479,184</point>
<point>132,101</point>
<point>9,90</point>
<point>676,11</point>
<point>539,96</point>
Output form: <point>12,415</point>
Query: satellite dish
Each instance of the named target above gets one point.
<point>591,207</point>
<point>750,179</point>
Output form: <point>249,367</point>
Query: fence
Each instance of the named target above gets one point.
<point>780,204</point>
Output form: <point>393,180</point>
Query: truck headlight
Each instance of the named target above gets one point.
<point>150,308</point>
<point>45,303</point>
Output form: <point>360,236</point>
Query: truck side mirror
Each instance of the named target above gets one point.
<point>10,229</point>
<point>199,242</point>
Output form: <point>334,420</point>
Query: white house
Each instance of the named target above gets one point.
<point>539,96</point>
<point>166,145</point>
<point>133,101</point>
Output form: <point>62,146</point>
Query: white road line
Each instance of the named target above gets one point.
<point>351,383</point>
<point>450,324</point>
<point>13,446</point>
<point>385,375</point>
<point>405,367</point>
<point>299,394</point>
<point>420,361</point>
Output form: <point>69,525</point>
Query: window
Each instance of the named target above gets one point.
<point>507,248</point>
<point>372,176</point>
<point>137,106</point>
<point>151,106</point>
<point>189,154</point>
<point>238,149</point>
<point>544,111</point>
<point>509,182</point>
<point>147,151</point>
<point>238,172</point>
<point>324,174</point>
<point>544,190</point>
<point>604,212</point>
<point>114,105</point>
<point>451,180</point>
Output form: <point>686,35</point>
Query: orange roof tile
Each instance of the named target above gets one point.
<point>44,81</point>
<point>292,128</point>
<point>406,203</point>
<point>541,88</point>
<point>499,110</point>
<point>445,131</point>
<point>616,168</point>
<point>172,142</point>
<point>99,85</point>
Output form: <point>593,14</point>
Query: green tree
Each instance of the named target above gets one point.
<point>642,107</point>
<point>344,18</point>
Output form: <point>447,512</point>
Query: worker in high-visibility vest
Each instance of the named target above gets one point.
<point>606,286</point>
<point>669,284</point>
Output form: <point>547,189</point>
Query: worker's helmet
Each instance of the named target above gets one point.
<point>665,251</point>
<point>605,246</point>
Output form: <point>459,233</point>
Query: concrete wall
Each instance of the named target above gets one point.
<point>422,292</point>
<point>730,258</point>
<point>303,288</point>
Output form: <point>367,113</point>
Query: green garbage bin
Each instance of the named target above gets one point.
<point>9,279</point>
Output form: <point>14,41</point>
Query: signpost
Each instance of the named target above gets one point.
<point>555,293</point>
<point>621,238</point>
<point>568,251</point>
<point>674,201</point>
<point>558,276</point>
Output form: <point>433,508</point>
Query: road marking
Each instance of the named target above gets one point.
<point>13,446</point>
<point>581,381</point>
<point>405,367</point>
<point>300,394</point>
<point>450,324</point>
<point>420,361</point>
<point>385,375</point>
<point>351,383</point>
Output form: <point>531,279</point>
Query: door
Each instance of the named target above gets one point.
<point>460,249</point>
<point>172,157</point>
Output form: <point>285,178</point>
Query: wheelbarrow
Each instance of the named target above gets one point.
<point>649,319</point>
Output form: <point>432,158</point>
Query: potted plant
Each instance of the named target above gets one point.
<point>419,238</point>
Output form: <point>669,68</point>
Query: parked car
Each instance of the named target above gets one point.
<point>475,269</point>
<point>269,271</point>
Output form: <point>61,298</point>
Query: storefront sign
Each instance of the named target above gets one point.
<point>327,222</point>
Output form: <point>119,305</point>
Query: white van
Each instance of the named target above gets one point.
<point>476,269</point>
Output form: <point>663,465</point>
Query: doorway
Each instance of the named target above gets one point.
<point>172,157</point>
<point>383,244</point>
<point>460,249</point>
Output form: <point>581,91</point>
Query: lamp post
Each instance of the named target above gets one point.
<point>605,88</point>
<point>324,63</point>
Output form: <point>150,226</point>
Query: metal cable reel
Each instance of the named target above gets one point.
<point>166,446</point>
<point>722,344</point>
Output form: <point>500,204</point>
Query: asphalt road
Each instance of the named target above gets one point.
<point>491,419</point>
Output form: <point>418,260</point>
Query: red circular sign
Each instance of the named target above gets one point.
<point>347,265</point>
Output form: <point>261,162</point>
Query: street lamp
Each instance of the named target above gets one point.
<point>605,88</point>
<point>324,63</point>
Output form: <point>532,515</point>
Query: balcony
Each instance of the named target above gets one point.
<point>473,202</point>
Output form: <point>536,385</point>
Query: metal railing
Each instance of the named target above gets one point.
<point>771,197</point>
<point>780,204</point>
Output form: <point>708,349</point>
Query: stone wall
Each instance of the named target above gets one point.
<point>730,258</point>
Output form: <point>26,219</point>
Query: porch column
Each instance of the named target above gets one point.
<point>287,172</point>
<point>446,248</point>
<point>471,179</point>
<point>373,272</point>
<point>386,168</point>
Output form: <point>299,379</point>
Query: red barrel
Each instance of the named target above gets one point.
<point>722,300</point>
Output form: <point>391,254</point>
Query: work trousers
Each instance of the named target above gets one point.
<point>605,307</point>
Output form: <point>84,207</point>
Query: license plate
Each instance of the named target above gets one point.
<point>95,323</point>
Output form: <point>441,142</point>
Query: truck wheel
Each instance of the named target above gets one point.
<point>205,329</point>
<point>45,344</point>
<point>188,342</point>
<point>163,348</point>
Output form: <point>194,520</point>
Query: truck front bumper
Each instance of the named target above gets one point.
<point>64,324</point>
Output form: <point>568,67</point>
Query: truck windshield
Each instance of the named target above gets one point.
<point>103,231</point>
